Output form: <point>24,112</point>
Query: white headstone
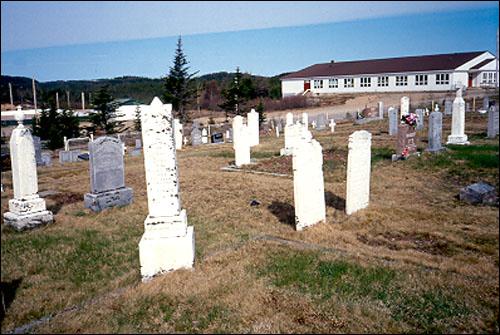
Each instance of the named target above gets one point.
<point>405,106</point>
<point>289,118</point>
<point>308,183</point>
<point>178,134</point>
<point>241,141</point>
<point>167,243</point>
<point>204,136</point>
<point>380,109</point>
<point>253,126</point>
<point>26,209</point>
<point>332,125</point>
<point>292,135</point>
<point>458,121</point>
<point>305,121</point>
<point>358,171</point>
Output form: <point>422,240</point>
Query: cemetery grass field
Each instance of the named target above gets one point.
<point>416,260</point>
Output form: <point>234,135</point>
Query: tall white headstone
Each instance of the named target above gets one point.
<point>168,242</point>
<point>178,134</point>
<point>305,121</point>
<point>241,141</point>
<point>253,127</point>
<point>405,106</point>
<point>26,209</point>
<point>458,121</point>
<point>308,183</point>
<point>358,171</point>
<point>204,136</point>
<point>381,109</point>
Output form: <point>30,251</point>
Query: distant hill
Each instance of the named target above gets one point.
<point>139,88</point>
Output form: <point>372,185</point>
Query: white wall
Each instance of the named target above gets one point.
<point>292,87</point>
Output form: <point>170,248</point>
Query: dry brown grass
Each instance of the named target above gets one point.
<point>415,260</point>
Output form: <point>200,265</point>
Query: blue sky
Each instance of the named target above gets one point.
<point>216,38</point>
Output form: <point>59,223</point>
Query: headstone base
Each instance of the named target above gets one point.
<point>99,201</point>
<point>436,150</point>
<point>458,139</point>
<point>159,255</point>
<point>28,220</point>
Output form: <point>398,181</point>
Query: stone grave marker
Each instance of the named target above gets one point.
<point>332,125</point>
<point>38,150</point>
<point>393,121</point>
<point>420,118</point>
<point>46,158</point>
<point>253,127</point>
<point>406,140</point>
<point>380,110</point>
<point>492,122</point>
<point>204,136</point>
<point>196,138</point>
<point>458,121</point>
<point>321,121</point>
<point>486,102</point>
<point>241,141</point>
<point>308,182</point>
<point>107,175</point>
<point>168,242</point>
<point>405,106</point>
<point>26,210</point>
<point>448,105</point>
<point>358,171</point>
<point>435,131</point>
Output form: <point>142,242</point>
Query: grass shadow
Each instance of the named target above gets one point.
<point>8,290</point>
<point>61,199</point>
<point>283,211</point>
<point>333,200</point>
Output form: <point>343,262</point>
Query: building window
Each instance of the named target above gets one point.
<point>333,83</point>
<point>401,80</point>
<point>421,79</point>
<point>383,81</point>
<point>490,78</point>
<point>318,83</point>
<point>366,82</point>
<point>442,79</point>
<point>348,82</point>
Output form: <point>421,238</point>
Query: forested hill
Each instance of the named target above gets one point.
<point>139,88</point>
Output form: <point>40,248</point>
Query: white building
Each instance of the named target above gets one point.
<point>417,73</point>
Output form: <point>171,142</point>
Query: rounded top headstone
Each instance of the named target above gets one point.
<point>19,115</point>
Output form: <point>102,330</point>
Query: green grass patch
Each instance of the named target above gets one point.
<point>264,154</point>
<point>381,154</point>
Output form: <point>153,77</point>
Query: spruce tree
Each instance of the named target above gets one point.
<point>137,121</point>
<point>180,90</point>
<point>104,117</point>
<point>233,96</point>
<point>260,109</point>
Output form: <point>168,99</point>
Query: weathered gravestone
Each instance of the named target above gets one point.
<point>406,142</point>
<point>204,136</point>
<point>253,127</point>
<point>405,106</point>
<point>69,156</point>
<point>380,110</point>
<point>178,133</point>
<point>448,107</point>
<point>26,209</point>
<point>308,183</point>
<point>332,125</point>
<point>420,119</point>
<point>196,138</point>
<point>486,102</point>
<point>458,121</point>
<point>358,171</point>
<point>38,150</point>
<point>229,135</point>
<point>393,121</point>
<point>305,120</point>
<point>492,122</point>
<point>137,149</point>
<point>321,121</point>
<point>168,242</point>
<point>107,175</point>
<point>241,141</point>
<point>46,159</point>
<point>479,193</point>
<point>435,131</point>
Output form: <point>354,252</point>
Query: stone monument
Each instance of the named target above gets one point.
<point>253,127</point>
<point>458,121</point>
<point>26,210</point>
<point>435,131</point>
<point>405,106</point>
<point>107,175</point>
<point>358,171</point>
<point>168,242</point>
<point>492,122</point>
<point>178,132</point>
<point>392,114</point>
<point>241,141</point>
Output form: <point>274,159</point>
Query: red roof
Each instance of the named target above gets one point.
<point>441,62</point>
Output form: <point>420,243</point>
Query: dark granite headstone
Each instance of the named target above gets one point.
<point>107,175</point>
<point>217,138</point>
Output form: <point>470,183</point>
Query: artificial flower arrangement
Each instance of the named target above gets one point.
<point>410,119</point>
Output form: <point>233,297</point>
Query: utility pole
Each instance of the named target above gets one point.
<point>67,96</point>
<point>57,100</point>
<point>11,98</point>
<point>83,101</point>
<point>34,93</point>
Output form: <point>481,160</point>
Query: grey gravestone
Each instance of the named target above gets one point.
<point>393,121</point>
<point>448,105</point>
<point>467,106</point>
<point>479,193</point>
<point>492,122</point>
<point>46,159</point>
<point>69,156</point>
<point>381,109</point>
<point>420,119</point>
<point>435,132</point>
<point>217,138</point>
<point>195,136</point>
<point>229,135</point>
<point>321,121</point>
<point>107,175</point>
<point>486,102</point>
<point>138,143</point>
<point>38,150</point>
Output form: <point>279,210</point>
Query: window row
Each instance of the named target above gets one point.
<point>383,81</point>
<point>489,78</point>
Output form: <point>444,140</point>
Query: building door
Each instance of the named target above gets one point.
<point>307,85</point>
<point>470,80</point>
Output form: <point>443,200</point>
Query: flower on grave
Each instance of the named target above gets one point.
<point>410,119</point>
<point>405,152</point>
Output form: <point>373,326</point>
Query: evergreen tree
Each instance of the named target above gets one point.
<point>260,109</point>
<point>104,117</point>
<point>233,96</point>
<point>180,90</point>
<point>53,126</point>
